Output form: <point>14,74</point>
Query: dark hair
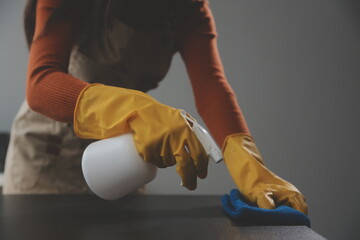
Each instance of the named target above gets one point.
<point>82,10</point>
<point>97,16</point>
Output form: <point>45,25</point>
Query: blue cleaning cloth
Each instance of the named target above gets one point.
<point>245,213</point>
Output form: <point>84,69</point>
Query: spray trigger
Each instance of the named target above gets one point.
<point>204,137</point>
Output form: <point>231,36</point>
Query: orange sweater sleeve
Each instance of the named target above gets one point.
<point>214,97</point>
<point>50,90</point>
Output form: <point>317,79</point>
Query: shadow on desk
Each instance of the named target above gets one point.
<point>132,217</point>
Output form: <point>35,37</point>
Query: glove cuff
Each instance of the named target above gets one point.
<point>75,119</point>
<point>245,142</point>
<point>233,136</point>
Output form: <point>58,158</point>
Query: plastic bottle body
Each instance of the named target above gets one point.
<point>113,168</point>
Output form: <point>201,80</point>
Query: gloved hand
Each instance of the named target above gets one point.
<point>257,183</point>
<point>160,133</point>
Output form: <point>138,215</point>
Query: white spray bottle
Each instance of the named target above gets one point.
<point>113,168</point>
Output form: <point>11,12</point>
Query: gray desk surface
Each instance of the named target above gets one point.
<point>132,217</point>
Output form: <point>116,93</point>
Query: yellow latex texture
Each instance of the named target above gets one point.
<point>257,183</point>
<point>160,132</point>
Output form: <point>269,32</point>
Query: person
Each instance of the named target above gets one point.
<point>90,64</point>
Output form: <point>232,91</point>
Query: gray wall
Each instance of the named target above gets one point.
<point>295,67</point>
<point>13,60</point>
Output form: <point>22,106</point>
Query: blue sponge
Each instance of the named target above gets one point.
<point>245,213</point>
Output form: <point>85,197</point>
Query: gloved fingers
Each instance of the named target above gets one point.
<point>291,198</point>
<point>265,200</point>
<point>298,202</point>
<point>198,156</point>
<point>167,154</point>
<point>153,157</point>
<point>169,160</point>
<point>159,154</point>
<point>157,161</point>
<point>148,152</point>
<point>203,172</point>
<point>186,170</point>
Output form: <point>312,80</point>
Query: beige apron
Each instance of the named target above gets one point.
<point>44,155</point>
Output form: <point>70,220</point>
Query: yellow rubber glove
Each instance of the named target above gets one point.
<point>257,183</point>
<point>160,133</point>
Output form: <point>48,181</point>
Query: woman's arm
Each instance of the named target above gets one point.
<point>214,97</point>
<point>50,90</point>
<point>217,105</point>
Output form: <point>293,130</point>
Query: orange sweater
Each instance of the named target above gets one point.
<point>53,92</point>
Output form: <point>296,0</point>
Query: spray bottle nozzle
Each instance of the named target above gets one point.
<point>204,137</point>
